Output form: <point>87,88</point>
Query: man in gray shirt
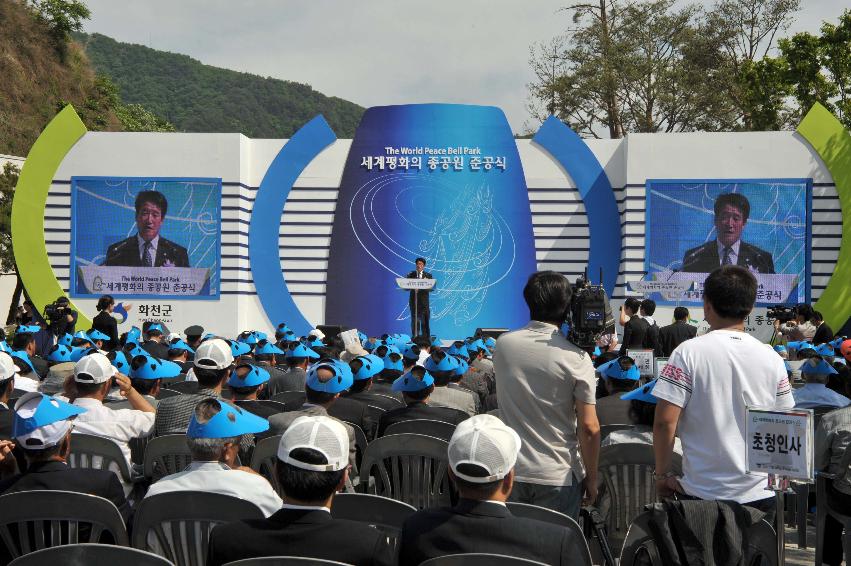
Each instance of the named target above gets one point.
<point>545,386</point>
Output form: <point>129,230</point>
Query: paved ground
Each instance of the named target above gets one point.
<point>796,556</point>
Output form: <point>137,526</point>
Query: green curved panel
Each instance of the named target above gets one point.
<point>832,142</point>
<point>28,206</point>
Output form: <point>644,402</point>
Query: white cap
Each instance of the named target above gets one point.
<point>36,407</point>
<point>7,367</point>
<point>94,368</point>
<point>316,332</point>
<point>487,442</point>
<point>325,435</point>
<point>213,354</point>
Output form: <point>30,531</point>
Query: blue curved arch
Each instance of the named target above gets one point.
<point>263,252</point>
<point>577,160</point>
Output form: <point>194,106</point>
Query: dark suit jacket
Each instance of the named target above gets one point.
<point>823,334</point>
<point>420,410</point>
<point>355,412</point>
<point>298,532</point>
<point>422,295</point>
<point>107,324</point>
<point>704,259</point>
<point>280,381</point>
<point>41,366</point>
<point>634,334</point>
<point>126,252</point>
<point>478,526</point>
<point>675,334</point>
<point>156,349</point>
<point>58,475</point>
<point>381,401</point>
<point>7,420</point>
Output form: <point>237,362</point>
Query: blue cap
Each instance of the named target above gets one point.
<point>390,339</point>
<point>458,349</point>
<point>448,363</point>
<point>23,356</point>
<point>66,339</point>
<point>4,347</point>
<point>479,345</point>
<point>180,344</point>
<point>779,348</point>
<point>48,411</point>
<point>83,336</point>
<point>410,353</point>
<point>614,369</point>
<point>802,345</point>
<point>490,342</point>
<point>137,350</point>
<point>343,367</point>
<point>78,354</point>
<point>362,337</point>
<point>302,351</point>
<point>134,335</point>
<point>410,383</point>
<point>60,353</point>
<point>248,337</point>
<point>435,341</point>
<point>256,375</point>
<point>238,348</point>
<point>825,350</point>
<point>389,362</point>
<point>229,422</point>
<point>267,348</point>
<point>282,328</point>
<point>28,329</point>
<point>336,384</point>
<point>643,393</point>
<point>371,344</point>
<point>153,368</point>
<point>463,366</point>
<point>96,334</point>
<point>370,367</point>
<point>597,351</point>
<point>837,342</point>
<point>817,366</point>
<point>155,327</point>
<point>119,361</point>
<point>314,342</point>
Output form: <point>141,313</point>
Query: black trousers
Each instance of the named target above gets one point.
<point>833,528</point>
<point>423,314</point>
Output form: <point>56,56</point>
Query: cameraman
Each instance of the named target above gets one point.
<point>63,318</point>
<point>800,329</point>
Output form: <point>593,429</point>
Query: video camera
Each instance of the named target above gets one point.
<point>782,313</point>
<point>55,314</point>
<point>589,315</point>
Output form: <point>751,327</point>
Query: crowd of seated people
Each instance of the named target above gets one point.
<point>552,399</point>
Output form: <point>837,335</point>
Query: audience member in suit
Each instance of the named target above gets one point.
<point>43,431</point>
<point>675,334</point>
<point>619,376</point>
<point>25,342</point>
<point>382,383</point>
<point>482,454</point>
<point>823,331</point>
<point>105,322</point>
<point>325,382</point>
<point>651,339</point>
<point>298,358</point>
<point>416,386</point>
<point>267,355</point>
<point>353,411</point>
<point>443,368</point>
<point>7,416</point>
<point>246,383</point>
<point>309,473</point>
<point>636,329</point>
<point>155,344</point>
<point>179,354</point>
<point>365,369</point>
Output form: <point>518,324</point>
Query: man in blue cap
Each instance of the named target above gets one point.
<point>364,371</point>
<point>443,368</point>
<point>24,340</point>
<point>815,393</point>
<point>325,382</point>
<point>42,430</point>
<point>417,386</point>
<point>146,376</point>
<point>213,438</point>
<point>181,353</point>
<point>312,466</point>
<point>298,356</point>
<point>247,382</point>
<point>619,376</point>
<point>473,379</point>
<point>154,344</point>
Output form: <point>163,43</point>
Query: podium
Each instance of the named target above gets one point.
<point>414,284</point>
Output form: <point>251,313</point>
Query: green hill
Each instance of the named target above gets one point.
<point>200,98</point>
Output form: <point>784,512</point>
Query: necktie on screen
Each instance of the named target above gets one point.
<point>147,259</point>
<point>727,260</point>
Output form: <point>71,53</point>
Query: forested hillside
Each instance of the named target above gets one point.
<point>201,98</point>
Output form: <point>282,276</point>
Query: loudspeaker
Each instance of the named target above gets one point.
<point>331,330</point>
<point>492,332</point>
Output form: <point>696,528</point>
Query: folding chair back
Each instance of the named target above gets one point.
<point>437,429</point>
<point>607,429</point>
<point>581,553</point>
<point>88,554</point>
<point>263,460</point>
<point>285,561</point>
<point>89,451</point>
<point>386,515</point>
<point>291,399</point>
<point>408,467</point>
<point>166,455</point>
<point>177,525</point>
<point>479,559</point>
<point>33,520</point>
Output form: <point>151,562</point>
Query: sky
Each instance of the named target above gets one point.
<point>371,52</point>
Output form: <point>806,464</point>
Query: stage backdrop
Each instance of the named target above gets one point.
<point>772,239</point>
<point>105,250</point>
<point>442,182</point>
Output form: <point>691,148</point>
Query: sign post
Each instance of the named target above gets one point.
<point>414,284</point>
<point>644,361</point>
<point>780,443</point>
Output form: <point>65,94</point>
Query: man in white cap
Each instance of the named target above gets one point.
<point>93,377</point>
<point>43,431</point>
<point>213,439</point>
<point>482,454</point>
<point>312,466</point>
<point>8,371</point>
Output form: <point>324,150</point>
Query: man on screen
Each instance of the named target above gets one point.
<point>146,248</point>
<point>731,216</point>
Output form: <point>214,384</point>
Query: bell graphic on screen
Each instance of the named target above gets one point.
<point>442,184</point>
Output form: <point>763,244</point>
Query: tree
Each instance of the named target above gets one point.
<point>8,180</point>
<point>62,17</point>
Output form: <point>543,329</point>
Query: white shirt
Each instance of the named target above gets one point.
<point>818,395</point>
<point>306,507</point>
<point>154,243</point>
<point>734,252</point>
<point>215,477</point>
<point>714,378</point>
<point>24,383</point>
<point>119,425</point>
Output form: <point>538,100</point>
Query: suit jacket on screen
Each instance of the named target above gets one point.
<point>704,259</point>
<point>126,253</point>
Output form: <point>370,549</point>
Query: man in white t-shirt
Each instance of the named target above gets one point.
<point>704,391</point>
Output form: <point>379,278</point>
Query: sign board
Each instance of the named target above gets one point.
<point>413,283</point>
<point>670,290</point>
<point>780,442</point>
<point>150,282</point>
<point>350,337</point>
<point>644,361</point>
<point>660,363</point>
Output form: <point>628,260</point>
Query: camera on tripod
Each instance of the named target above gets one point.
<point>56,314</point>
<point>589,315</point>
